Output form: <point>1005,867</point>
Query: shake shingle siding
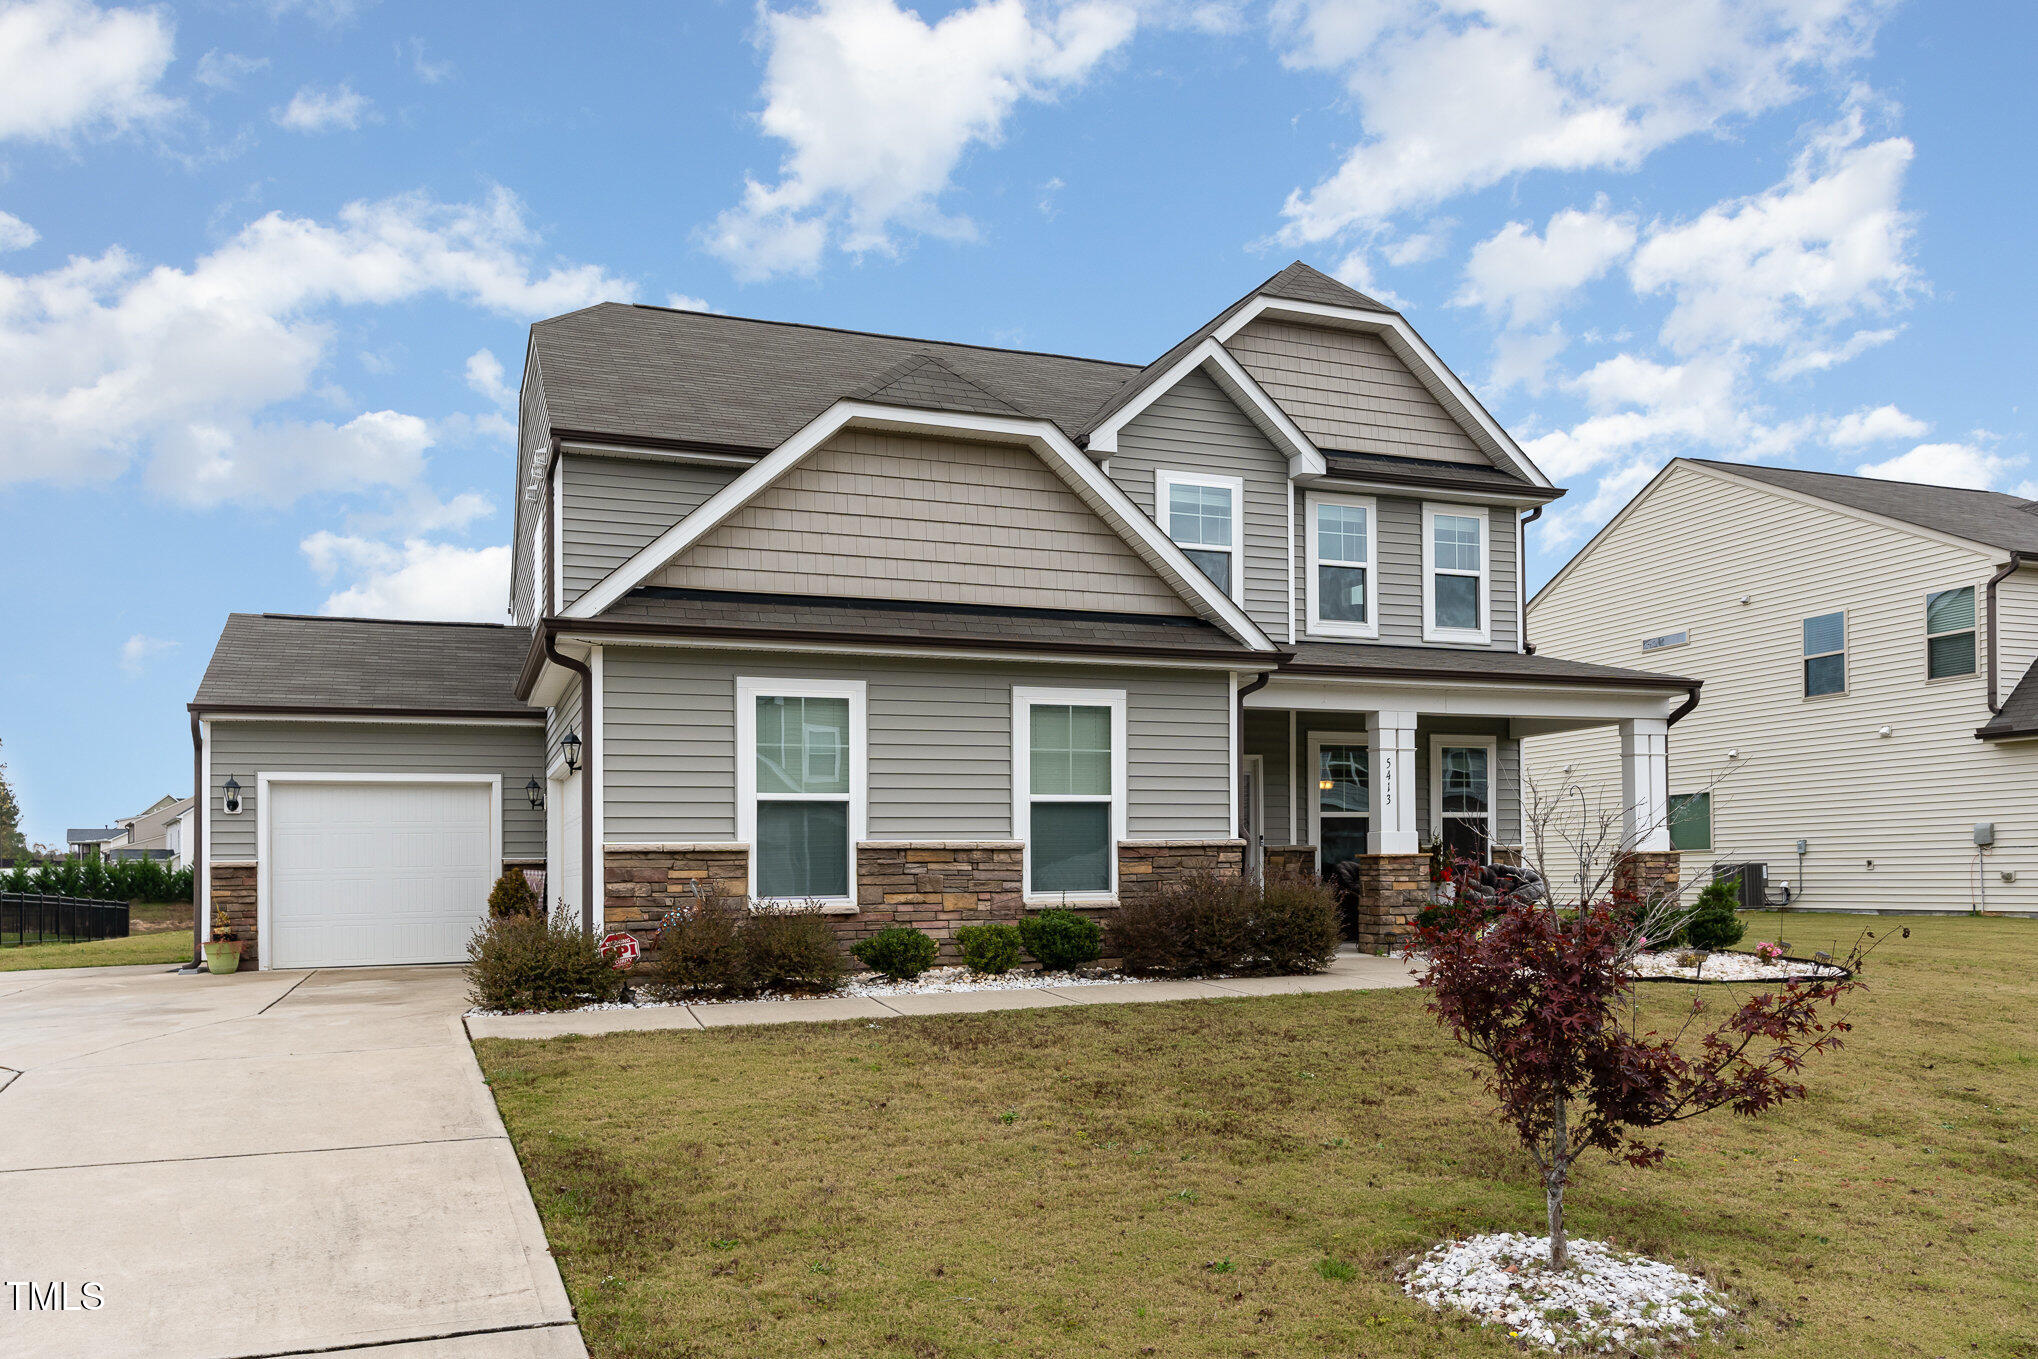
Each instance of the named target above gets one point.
<point>1347,390</point>
<point>1197,428</point>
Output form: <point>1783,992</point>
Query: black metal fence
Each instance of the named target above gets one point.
<point>29,918</point>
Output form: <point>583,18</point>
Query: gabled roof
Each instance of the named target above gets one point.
<point>294,662</point>
<point>1991,518</point>
<point>924,382</point>
<point>93,835</point>
<point>657,374</point>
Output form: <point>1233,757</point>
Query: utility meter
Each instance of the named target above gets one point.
<point>1984,833</point>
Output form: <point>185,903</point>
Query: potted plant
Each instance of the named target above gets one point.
<point>223,950</point>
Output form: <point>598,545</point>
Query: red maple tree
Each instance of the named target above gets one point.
<point>1544,995</point>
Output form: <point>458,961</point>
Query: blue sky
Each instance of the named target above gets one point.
<point>266,268</point>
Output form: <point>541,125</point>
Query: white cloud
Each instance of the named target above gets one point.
<point>1530,277</point>
<point>16,234</point>
<point>1875,425</point>
<point>136,651</point>
<point>1457,95</point>
<point>1523,358</point>
<point>1786,266</point>
<point>1420,248</point>
<point>103,360</point>
<point>420,579</point>
<point>314,110</point>
<point>485,375</point>
<point>67,66</point>
<point>1945,465</point>
<point>1818,358</point>
<point>684,302</point>
<point>423,67</point>
<point>878,108</point>
<point>219,70</point>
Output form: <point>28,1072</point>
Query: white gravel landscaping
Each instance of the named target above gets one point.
<point>936,981</point>
<point>1607,1300</point>
<point>1728,967</point>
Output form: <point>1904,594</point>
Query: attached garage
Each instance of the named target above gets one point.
<point>375,870</point>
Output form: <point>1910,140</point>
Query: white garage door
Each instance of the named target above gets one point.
<point>366,874</point>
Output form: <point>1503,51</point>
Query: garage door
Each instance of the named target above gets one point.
<point>368,874</point>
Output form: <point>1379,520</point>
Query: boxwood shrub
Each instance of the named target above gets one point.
<point>990,949</point>
<point>1060,939</point>
<point>898,951</point>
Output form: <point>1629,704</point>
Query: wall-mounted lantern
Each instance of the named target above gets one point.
<point>535,791</point>
<point>233,795</point>
<point>569,746</point>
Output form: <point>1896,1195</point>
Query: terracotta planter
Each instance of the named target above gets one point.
<point>223,958</point>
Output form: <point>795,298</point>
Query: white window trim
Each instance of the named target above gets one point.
<point>1846,647</point>
<point>1483,634</point>
<point>750,688</point>
<point>1318,626</point>
<point>1313,776</point>
<point>1931,636</point>
<point>265,896</point>
<point>1024,697</point>
<point>1491,745</point>
<point>1166,478</point>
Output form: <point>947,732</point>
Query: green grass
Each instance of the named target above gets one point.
<point>1240,1177</point>
<point>167,946</point>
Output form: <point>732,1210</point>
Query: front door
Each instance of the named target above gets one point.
<point>1342,808</point>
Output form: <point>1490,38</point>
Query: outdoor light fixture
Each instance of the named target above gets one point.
<point>569,746</point>
<point>535,792</point>
<point>233,795</point>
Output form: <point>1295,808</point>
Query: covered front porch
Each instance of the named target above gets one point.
<point>1362,753</point>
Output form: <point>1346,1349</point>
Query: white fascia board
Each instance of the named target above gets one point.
<point>1498,698</point>
<point>647,453</point>
<point>1081,475</point>
<point>1360,485</point>
<point>1235,382</point>
<point>339,718</point>
<point>1413,351</point>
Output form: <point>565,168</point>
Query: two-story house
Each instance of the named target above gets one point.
<point>1867,649</point>
<point>924,632</point>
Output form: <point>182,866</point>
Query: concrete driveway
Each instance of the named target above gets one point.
<point>265,1164</point>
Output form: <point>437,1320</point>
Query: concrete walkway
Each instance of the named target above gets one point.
<point>265,1164</point>
<point>1350,971</point>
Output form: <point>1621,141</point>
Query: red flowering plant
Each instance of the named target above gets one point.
<point>1544,994</point>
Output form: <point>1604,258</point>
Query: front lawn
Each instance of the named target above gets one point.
<point>165,946</point>
<point>1239,1177</point>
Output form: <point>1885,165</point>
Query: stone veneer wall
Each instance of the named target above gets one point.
<point>641,884</point>
<point>934,885</point>
<point>233,894</point>
<point>1291,859</point>
<point>1649,875</point>
<point>1144,864</point>
<point>1393,889</point>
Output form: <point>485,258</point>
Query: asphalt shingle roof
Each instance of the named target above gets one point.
<point>92,836</point>
<point>1366,658</point>
<point>337,664</point>
<point>926,383</point>
<point>883,620</point>
<point>1990,517</point>
<point>2019,716</point>
<point>1431,471</point>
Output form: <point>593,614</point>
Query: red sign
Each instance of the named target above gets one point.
<point>621,948</point>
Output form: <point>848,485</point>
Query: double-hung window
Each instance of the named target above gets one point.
<point>1343,585</point>
<point>800,786</point>
<point>1202,513</point>
<point>1949,633</point>
<point>1461,793</point>
<point>1825,655</point>
<point>1456,575</point>
<point>1068,766</point>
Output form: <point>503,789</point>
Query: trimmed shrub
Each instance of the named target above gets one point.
<point>990,949</point>
<point>791,950</point>
<point>898,951</point>
<point>1060,939</point>
<point>1294,925</point>
<point>531,962</point>
<point>512,895</point>
<point>1712,924</point>
<point>1195,925</point>
<point>698,952</point>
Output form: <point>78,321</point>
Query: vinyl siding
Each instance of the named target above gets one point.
<point>1347,390</point>
<point>613,508</point>
<point>244,749</point>
<point>2017,630</point>
<point>1816,769</point>
<point>1397,556</point>
<point>1197,428</point>
<point>1266,735</point>
<point>563,716</point>
<point>940,744</point>
<point>884,516</point>
<point>1506,778</point>
<point>533,427</point>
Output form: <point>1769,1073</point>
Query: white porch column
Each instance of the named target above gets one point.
<point>1644,782</point>
<point>1393,780</point>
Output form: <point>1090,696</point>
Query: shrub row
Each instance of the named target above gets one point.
<point>100,879</point>
<point>538,962</point>
<point>715,947</point>
<point>1210,925</point>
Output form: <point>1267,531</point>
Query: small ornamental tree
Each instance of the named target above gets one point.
<point>1544,996</point>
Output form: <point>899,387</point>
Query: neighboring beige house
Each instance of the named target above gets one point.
<point>154,831</point>
<point>1866,649</point>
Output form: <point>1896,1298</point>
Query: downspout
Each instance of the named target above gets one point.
<point>1239,777</point>
<point>201,811</point>
<point>588,744</point>
<point>1994,693</point>
<point>1690,702</point>
<point>1521,571</point>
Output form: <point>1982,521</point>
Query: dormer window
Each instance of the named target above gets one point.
<point>1456,586</point>
<point>1201,513</point>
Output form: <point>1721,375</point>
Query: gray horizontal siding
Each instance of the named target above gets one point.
<point>243,750</point>
<point>1197,428</point>
<point>940,745</point>
<point>1398,558</point>
<point>1266,735</point>
<point>613,508</point>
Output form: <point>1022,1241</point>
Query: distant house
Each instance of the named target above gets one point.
<point>1871,699</point>
<point>155,832</point>
<point>95,841</point>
